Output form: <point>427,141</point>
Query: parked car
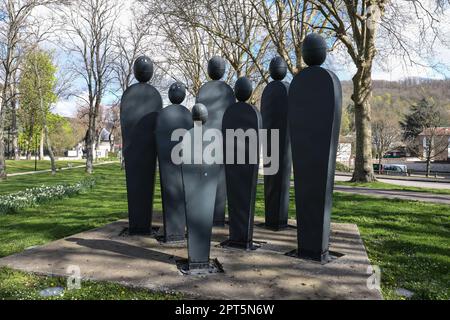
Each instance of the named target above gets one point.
<point>391,169</point>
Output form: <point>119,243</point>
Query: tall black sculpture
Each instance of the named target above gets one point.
<point>139,107</point>
<point>241,176</point>
<point>217,96</point>
<point>200,185</point>
<point>274,111</point>
<point>315,99</point>
<point>170,119</point>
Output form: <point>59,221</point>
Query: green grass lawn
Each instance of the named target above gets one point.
<point>105,203</point>
<point>16,285</point>
<point>29,165</point>
<point>410,241</point>
<point>387,186</point>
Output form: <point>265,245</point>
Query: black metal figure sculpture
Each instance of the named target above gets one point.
<point>274,112</point>
<point>315,99</point>
<point>217,96</point>
<point>170,119</point>
<point>139,107</point>
<point>200,185</point>
<point>241,153</point>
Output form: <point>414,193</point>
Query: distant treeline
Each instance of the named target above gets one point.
<point>400,95</point>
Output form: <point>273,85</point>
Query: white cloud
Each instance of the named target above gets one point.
<point>66,108</point>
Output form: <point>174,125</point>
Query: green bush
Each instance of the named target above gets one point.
<point>340,167</point>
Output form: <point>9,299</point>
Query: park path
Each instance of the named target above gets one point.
<point>419,183</point>
<point>62,169</point>
<point>389,194</point>
<point>396,194</point>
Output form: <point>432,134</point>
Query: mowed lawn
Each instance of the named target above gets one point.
<point>105,203</point>
<point>409,241</point>
<point>30,165</point>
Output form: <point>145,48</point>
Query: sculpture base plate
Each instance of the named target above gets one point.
<point>141,232</point>
<point>250,246</point>
<point>170,240</point>
<point>142,262</point>
<point>196,269</point>
<point>323,258</point>
<point>276,228</point>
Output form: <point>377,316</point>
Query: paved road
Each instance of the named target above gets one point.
<point>407,183</point>
<point>395,194</point>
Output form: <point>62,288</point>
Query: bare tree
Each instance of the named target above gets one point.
<point>436,142</point>
<point>385,133</point>
<point>132,41</point>
<point>199,29</point>
<point>112,120</point>
<point>287,22</point>
<point>90,27</point>
<point>184,48</point>
<point>355,24</point>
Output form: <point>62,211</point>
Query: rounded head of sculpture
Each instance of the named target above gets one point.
<point>216,68</point>
<point>200,113</point>
<point>314,50</point>
<point>143,69</point>
<point>278,68</point>
<point>177,93</point>
<point>243,89</point>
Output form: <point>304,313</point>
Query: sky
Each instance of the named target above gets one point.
<point>386,67</point>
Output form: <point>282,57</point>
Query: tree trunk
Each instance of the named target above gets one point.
<point>90,143</point>
<point>428,167</point>
<point>41,146</point>
<point>30,144</point>
<point>50,150</point>
<point>380,163</point>
<point>429,143</point>
<point>362,92</point>
<point>15,134</point>
<point>2,152</point>
<point>15,144</point>
<point>2,140</point>
<point>14,128</point>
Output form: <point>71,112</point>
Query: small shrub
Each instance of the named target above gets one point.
<point>340,167</point>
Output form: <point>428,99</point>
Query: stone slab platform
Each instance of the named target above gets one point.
<point>108,254</point>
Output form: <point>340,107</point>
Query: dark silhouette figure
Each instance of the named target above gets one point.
<point>315,99</point>
<point>200,185</point>
<point>241,176</point>
<point>217,96</point>
<point>170,119</point>
<point>274,112</point>
<point>139,107</point>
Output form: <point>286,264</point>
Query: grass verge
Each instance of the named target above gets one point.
<point>16,285</point>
